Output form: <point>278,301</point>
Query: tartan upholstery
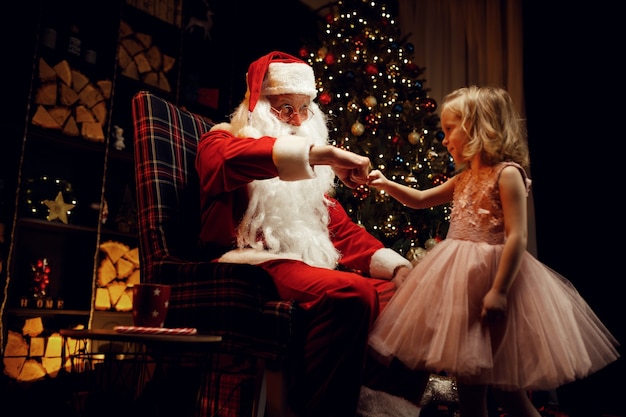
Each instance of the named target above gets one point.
<point>238,302</point>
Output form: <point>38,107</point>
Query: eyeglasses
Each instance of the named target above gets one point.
<point>286,112</point>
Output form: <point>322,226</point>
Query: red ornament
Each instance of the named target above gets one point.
<point>329,59</point>
<point>40,272</point>
<point>371,69</point>
<point>361,192</point>
<point>409,232</point>
<point>439,179</point>
<point>330,18</point>
<point>324,98</point>
<point>411,67</point>
<point>429,104</point>
<point>304,52</point>
<point>396,140</point>
<point>371,120</point>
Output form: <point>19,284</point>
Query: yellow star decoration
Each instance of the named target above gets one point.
<point>58,208</point>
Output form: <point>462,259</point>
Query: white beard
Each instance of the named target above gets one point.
<point>288,217</point>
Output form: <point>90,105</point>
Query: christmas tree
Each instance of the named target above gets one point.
<point>378,107</point>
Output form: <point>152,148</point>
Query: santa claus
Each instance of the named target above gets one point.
<point>267,178</point>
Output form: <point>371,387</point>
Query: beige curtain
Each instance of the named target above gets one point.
<point>464,42</point>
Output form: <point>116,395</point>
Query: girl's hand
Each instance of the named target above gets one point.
<point>494,307</point>
<point>376,179</point>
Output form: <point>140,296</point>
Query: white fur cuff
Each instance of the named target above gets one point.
<point>385,261</point>
<point>253,256</point>
<point>291,156</point>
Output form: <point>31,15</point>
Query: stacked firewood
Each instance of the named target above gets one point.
<point>118,272</point>
<point>66,100</point>
<point>30,356</point>
<point>140,59</point>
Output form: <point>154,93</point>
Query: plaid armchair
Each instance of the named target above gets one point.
<point>237,302</point>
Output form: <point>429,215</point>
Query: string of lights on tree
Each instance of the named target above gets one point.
<point>378,106</point>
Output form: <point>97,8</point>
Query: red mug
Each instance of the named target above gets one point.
<point>150,304</point>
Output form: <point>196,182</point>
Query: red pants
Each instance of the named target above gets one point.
<point>339,309</point>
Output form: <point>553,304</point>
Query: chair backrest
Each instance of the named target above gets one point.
<point>165,144</point>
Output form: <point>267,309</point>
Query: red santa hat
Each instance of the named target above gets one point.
<point>279,73</point>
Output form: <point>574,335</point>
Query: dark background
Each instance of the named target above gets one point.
<point>575,110</point>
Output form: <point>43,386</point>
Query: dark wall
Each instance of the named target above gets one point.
<point>243,31</point>
<point>17,41</point>
<point>575,110</point>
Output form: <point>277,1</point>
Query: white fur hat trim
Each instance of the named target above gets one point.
<point>289,78</point>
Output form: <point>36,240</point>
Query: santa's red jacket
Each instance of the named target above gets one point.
<point>226,164</point>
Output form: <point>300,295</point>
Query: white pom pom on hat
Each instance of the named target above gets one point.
<point>279,73</point>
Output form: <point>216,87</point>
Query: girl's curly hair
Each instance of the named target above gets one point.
<point>494,127</point>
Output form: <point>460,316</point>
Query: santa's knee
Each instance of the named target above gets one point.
<point>354,303</point>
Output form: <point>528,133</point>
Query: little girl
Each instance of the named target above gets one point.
<point>479,306</point>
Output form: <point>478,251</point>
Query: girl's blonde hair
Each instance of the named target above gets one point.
<point>494,128</point>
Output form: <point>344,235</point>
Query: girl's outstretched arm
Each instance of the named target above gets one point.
<point>411,197</point>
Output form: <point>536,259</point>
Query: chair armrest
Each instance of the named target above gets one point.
<point>237,301</point>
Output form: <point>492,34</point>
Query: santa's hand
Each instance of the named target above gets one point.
<point>350,177</point>
<point>350,168</point>
<point>400,274</point>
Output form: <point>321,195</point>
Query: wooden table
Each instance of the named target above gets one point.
<point>192,340</point>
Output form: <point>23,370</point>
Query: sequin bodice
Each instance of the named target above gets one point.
<point>476,208</point>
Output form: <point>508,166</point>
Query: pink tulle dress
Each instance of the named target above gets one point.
<point>550,337</point>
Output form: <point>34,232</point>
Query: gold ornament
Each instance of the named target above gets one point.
<point>357,129</point>
<point>416,254</point>
<point>58,208</point>
<point>414,138</point>
<point>430,243</point>
<point>370,101</point>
